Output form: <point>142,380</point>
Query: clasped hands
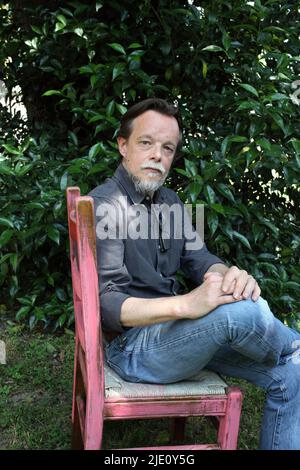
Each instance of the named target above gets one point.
<point>236,282</point>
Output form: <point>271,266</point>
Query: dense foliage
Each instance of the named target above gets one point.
<point>230,65</point>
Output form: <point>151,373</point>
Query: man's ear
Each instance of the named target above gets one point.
<point>122,145</point>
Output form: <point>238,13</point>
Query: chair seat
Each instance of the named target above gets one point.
<point>204,383</point>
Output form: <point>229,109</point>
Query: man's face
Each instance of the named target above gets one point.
<point>149,151</point>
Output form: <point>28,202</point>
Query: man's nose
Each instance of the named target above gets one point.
<point>157,152</point>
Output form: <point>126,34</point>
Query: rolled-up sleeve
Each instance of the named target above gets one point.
<point>113,276</point>
<point>195,261</point>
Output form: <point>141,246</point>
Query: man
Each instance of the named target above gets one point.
<point>223,324</point>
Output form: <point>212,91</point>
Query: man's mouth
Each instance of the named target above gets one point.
<point>153,170</point>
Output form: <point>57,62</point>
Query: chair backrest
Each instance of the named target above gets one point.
<point>89,351</point>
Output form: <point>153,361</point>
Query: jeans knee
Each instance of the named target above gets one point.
<point>286,386</point>
<point>248,312</point>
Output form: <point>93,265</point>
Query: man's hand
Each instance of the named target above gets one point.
<point>206,297</point>
<point>238,283</point>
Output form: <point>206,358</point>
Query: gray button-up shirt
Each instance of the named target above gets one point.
<point>144,266</point>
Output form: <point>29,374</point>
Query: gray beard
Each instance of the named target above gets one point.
<point>145,187</point>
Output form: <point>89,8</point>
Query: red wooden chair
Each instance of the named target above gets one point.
<point>100,394</point>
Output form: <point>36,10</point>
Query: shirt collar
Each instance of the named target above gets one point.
<point>123,178</point>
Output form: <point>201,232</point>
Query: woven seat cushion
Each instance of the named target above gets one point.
<point>204,383</point>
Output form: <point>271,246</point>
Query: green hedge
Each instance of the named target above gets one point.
<point>230,65</point>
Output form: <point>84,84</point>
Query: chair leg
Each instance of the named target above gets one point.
<point>78,388</point>
<point>177,429</point>
<point>229,424</point>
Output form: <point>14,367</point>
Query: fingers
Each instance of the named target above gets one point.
<point>248,289</point>
<point>256,292</point>
<point>236,283</point>
<point>231,275</point>
<point>245,284</point>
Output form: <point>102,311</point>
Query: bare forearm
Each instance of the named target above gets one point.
<point>142,312</point>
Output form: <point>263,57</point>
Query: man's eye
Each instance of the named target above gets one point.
<point>169,149</point>
<point>145,142</point>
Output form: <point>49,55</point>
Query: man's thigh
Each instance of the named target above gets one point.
<point>175,350</point>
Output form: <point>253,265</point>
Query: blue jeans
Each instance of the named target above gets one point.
<point>241,339</point>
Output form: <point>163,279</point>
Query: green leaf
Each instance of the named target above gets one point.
<point>296,144</point>
<point>11,149</point>
<point>249,105</point>
<point>213,222</point>
<point>194,189</point>
<point>14,261</point>
<point>277,97</point>
<point>118,70</point>
<point>224,145</point>
<point>59,26</point>
<point>226,41</point>
<point>53,234</point>
<point>32,321</point>
<point>242,239</point>
<point>209,194</point>
<point>5,237</point>
<point>117,47</point>
<point>279,121</point>
<point>60,294</point>
<point>257,231</point>
<point>212,48</point>
<point>27,300</point>
<point>78,31</point>
<point>99,167</point>
<point>218,208</point>
<point>110,108</point>
<point>64,181</point>
<point>35,205</point>
<point>94,151</point>
<point>225,191</point>
<point>36,29</point>
<point>204,69</point>
<point>135,45</point>
<point>249,88</point>
<point>121,108</point>
<point>6,221</point>
<point>5,257</point>
<point>22,313</point>
<point>62,19</point>
<point>293,285</point>
<point>266,256</point>
<point>181,171</point>
<point>23,170</point>
<point>52,92</point>
<point>264,143</point>
<point>190,167</point>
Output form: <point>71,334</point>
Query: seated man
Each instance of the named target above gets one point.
<point>223,324</point>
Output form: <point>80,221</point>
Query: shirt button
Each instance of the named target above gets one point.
<point>160,274</point>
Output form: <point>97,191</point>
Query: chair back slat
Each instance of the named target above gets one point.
<point>72,194</point>
<point>87,309</point>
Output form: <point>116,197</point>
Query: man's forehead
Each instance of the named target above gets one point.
<point>152,122</point>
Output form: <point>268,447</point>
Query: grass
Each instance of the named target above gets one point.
<point>36,400</point>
